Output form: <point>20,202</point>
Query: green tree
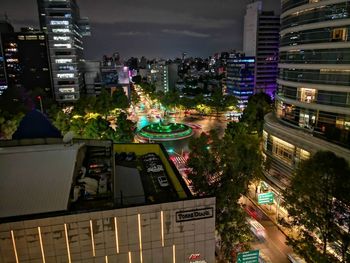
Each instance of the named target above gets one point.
<point>170,99</point>
<point>95,128</point>
<point>310,203</point>
<point>62,121</point>
<point>103,103</point>
<point>253,115</point>
<point>85,104</point>
<point>205,167</point>
<point>223,168</point>
<point>135,98</point>
<point>119,99</point>
<point>9,124</point>
<point>220,103</point>
<point>125,129</point>
<point>77,125</point>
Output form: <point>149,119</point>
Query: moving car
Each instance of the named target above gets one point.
<point>257,228</point>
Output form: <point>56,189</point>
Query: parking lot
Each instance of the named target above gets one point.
<point>156,183</point>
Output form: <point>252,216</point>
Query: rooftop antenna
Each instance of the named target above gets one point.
<point>6,17</point>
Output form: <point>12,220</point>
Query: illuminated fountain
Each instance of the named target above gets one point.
<point>164,131</point>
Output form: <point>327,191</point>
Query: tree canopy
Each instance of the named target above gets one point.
<point>223,167</point>
<point>317,186</point>
<point>253,115</point>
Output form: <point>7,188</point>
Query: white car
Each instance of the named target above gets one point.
<point>163,181</point>
<point>155,169</point>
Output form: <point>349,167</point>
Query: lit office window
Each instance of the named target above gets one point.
<point>62,45</point>
<point>65,75</point>
<point>63,38</point>
<point>61,30</point>
<point>59,22</point>
<point>63,60</point>
<point>66,90</point>
<point>340,34</point>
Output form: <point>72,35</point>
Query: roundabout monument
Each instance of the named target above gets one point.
<point>164,131</point>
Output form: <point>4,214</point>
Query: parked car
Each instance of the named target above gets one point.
<point>163,181</point>
<point>155,168</point>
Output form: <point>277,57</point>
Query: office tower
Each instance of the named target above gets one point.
<point>27,67</point>
<point>312,102</point>
<point>65,28</point>
<point>5,27</point>
<point>240,77</point>
<point>260,40</point>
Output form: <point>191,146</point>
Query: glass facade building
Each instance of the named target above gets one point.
<point>312,110</point>
<point>61,20</point>
<point>261,41</point>
<point>240,77</point>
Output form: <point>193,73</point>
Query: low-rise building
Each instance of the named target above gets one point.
<point>90,201</point>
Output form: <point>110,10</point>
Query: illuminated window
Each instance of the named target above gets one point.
<point>60,30</point>
<point>63,60</point>
<point>63,38</point>
<point>283,150</point>
<point>66,90</point>
<point>307,95</point>
<point>59,22</point>
<point>314,1</point>
<point>340,34</point>
<point>31,37</point>
<point>62,45</point>
<point>65,75</point>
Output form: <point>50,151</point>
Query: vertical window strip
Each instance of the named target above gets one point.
<point>14,246</point>
<point>92,239</point>
<point>41,244</point>
<point>67,243</point>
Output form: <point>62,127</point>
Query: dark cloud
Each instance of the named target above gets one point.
<point>154,28</point>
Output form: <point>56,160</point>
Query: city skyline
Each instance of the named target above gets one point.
<point>158,30</point>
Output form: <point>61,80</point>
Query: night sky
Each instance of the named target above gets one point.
<point>154,28</point>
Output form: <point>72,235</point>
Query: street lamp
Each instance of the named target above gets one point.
<point>41,103</point>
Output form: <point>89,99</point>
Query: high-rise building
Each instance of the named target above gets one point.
<point>260,40</point>
<point>5,28</point>
<point>26,67</point>
<point>240,77</point>
<point>313,98</point>
<point>159,75</point>
<point>65,28</point>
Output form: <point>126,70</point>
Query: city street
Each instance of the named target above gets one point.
<point>273,247</point>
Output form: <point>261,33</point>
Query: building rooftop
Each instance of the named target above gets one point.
<point>36,179</point>
<point>42,178</point>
